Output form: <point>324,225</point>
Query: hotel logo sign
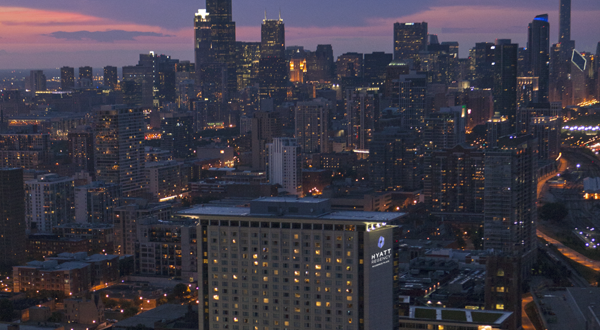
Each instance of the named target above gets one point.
<point>381,257</point>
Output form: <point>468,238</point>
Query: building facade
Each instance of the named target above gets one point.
<point>49,202</point>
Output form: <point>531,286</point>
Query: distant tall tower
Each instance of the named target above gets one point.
<point>273,69</point>
<point>119,134</point>
<point>223,38</point>
<point>284,166</point>
<point>311,125</point>
<point>50,201</point>
<point>37,81</point>
<point>564,22</point>
<point>111,77</point>
<point>12,217</point>
<point>538,45</point>
<point>67,78</point>
<point>505,80</point>
<point>409,40</point>
<point>86,76</point>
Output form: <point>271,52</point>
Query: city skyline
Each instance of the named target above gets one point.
<point>40,35</point>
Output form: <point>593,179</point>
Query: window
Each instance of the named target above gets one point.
<point>500,306</point>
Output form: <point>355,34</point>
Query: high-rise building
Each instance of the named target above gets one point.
<point>413,90</point>
<point>285,165</point>
<point>497,127</point>
<point>484,64</point>
<point>28,151</point>
<point>37,81</point>
<point>409,40</point>
<point>12,217</point>
<point>312,125</point>
<point>538,48</point>
<point>510,195</point>
<point>349,65</point>
<point>543,121</point>
<point>247,59</point>
<point>445,129</point>
<point>81,149</point>
<point>165,179</point>
<point>273,69</point>
<point>86,76</point>
<point>119,134</point>
<point>503,290</point>
<point>454,182</point>
<point>564,22</point>
<point>311,268</point>
<point>94,203</point>
<point>375,67</point>
<point>137,86</point>
<point>177,134</point>
<point>505,80</point>
<point>320,64</point>
<point>50,201</point>
<point>265,126</point>
<point>67,78</point>
<point>362,111</point>
<point>111,77</point>
<point>394,162</point>
<point>222,40</point>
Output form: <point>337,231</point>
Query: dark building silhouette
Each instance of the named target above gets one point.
<point>375,67</point>
<point>86,76</point>
<point>67,78</point>
<point>564,22</point>
<point>12,217</point>
<point>320,66</point>
<point>177,130</point>
<point>394,163</point>
<point>538,48</point>
<point>222,40</point>
<point>505,80</point>
<point>37,81</point>
<point>137,86</point>
<point>273,68</point>
<point>484,69</point>
<point>409,40</point>
<point>111,78</point>
<point>247,59</point>
<point>81,150</point>
<point>503,285</point>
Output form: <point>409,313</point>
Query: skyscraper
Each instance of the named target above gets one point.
<point>409,40</point>
<point>265,127</point>
<point>285,166</point>
<point>37,81</point>
<point>86,76</point>
<point>413,89</point>
<point>312,125</point>
<point>505,80</point>
<point>50,201</point>
<point>119,153</point>
<point>564,22</point>
<point>538,48</point>
<point>111,77</point>
<point>81,149</point>
<point>273,69</point>
<point>445,129</point>
<point>12,217</point>
<point>67,78</point>
<point>177,130</point>
<point>484,69</point>
<point>362,110</point>
<point>510,211</point>
<point>320,64</point>
<point>222,32</point>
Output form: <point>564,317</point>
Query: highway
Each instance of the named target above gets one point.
<point>570,253</point>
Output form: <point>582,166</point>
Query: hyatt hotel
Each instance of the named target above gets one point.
<point>289,263</point>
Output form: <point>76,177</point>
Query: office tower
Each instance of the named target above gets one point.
<point>12,217</point>
<point>409,40</point>
<point>394,163</point>
<point>177,134</point>
<point>129,216</point>
<point>265,127</point>
<point>137,86</point>
<point>362,111</point>
<point>95,202</point>
<point>413,90</point>
<point>543,121</point>
<point>37,81</point>
<point>312,268</point>
<point>505,80</point>
<point>503,288</point>
<point>320,64</point>
<point>273,69</point>
<point>50,201</point>
<point>81,149</point>
<point>445,129</point>
<point>480,107</point>
<point>484,67</point>
<point>439,64</point>
<point>538,47</point>
<point>67,78</point>
<point>510,211</point>
<point>454,182</point>
<point>28,151</point>
<point>453,47</point>
<point>111,78</point>
<point>298,67</point>
<point>222,40</point>
<point>86,76</point>
<point>392,74</point>
<point>163,76</point>
<point>119,134</point>
<point>285,165</point>
<point>247,59</point>
<point>349,65</point>
<point>375,67</point>
<point>165,180</point>
<point>564,22</point>
<point>497,127</point>
<point>312,121</point>
<point>167,248</point>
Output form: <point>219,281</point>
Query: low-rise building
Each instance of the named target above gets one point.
<point>70,278</point>
<point>84,311</point>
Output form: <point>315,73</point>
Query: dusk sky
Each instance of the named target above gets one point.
<point>51,34</point>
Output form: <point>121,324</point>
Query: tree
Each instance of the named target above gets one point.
<point>554,212</point>
<point>130,311</point>
<point>6,310</point>
<point>180,290</point>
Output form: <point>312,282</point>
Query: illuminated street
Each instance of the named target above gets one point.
<point>526,322</point>
<point>570,253</point>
